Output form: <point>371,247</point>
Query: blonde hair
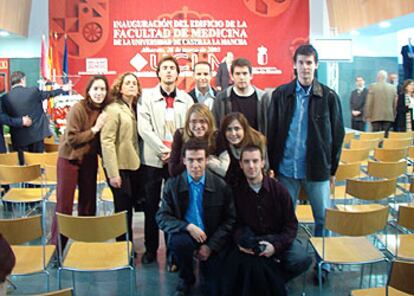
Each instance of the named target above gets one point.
<point>204,112</point>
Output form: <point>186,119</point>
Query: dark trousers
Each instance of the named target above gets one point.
<point>184,246</point>
<point>378,126</point>
<point>294,261</point>
<point>124,197</point>
<point>152,189</point>
<point>358,125</point>
<point>34,147</point>
<point>72,173</point>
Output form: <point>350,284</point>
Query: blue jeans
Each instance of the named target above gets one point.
<point>318,193</point>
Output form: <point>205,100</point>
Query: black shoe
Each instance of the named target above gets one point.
<point>324,277</point>
<point>148,258</point>
<point>183,287</point>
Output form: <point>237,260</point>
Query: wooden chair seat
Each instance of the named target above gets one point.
<point>359,208</point>
<point>347,250</point>
<point>24,195</point>
<point>29,259</point>
<point>304,214</point>
<point>97,256</point>
<point>52,197</point>
<point>106,195</point>
<point>405,244</point>
<point>378,292</point>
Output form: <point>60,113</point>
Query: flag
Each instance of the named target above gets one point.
<point>44,65</point>
<point>65,62</point>
<point>54,63</point>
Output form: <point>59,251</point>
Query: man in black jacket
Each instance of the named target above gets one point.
<point>197,212</point>
<point>22,101</point>
<point>357,104</point>
<point>305,132</point>
<point>203,92</point>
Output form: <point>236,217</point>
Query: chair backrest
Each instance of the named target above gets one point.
<point>379,169</point>
<point>401,277</point>
<point>406,216</point>
<point>64,292</point>
<point>390,154</point>
<point>397,143</point>
<point>9,158</point>
<point>21,230</point>
<point>367,144</point>
<point>354,155</point>
<point>411,152</point>
<point>347,171</point>
<point>356,223</point>
<point>371,189</point>
<point>348,137</point>
<point>47,158</point>
<point>18,174</point>
<point>92,229</point>
<point>400,135</point>
<point>371,136</point>
<point>50,173</point>
<point>51,147</point>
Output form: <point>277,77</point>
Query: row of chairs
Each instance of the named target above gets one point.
<point>92,246</point>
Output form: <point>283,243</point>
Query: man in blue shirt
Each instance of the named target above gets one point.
<point>305,132</point>
<point>197,212</point>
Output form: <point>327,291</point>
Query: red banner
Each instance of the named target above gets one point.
<point>4,76</point>
<point>112,37</point>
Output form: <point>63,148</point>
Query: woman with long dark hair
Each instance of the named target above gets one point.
<point>404,120</point>
<point>78,152</point>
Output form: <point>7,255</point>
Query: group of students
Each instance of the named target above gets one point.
<point>220,198</point>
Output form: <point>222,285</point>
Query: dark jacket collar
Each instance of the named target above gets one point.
<point>316,90</point>
<point>209,185</point>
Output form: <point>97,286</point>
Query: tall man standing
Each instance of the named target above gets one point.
<point>305,134</point>
<point>357,103</point>
<point>381,103</point>
<point>161,111</point>
<point>203,92</point>
<point>197,212</point>
<point>24,101</point>
<point>223,78</point>
<point>241,97</point>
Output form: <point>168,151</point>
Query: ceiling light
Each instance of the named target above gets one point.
<point>4,33</point>
<point>384,24</point>
<point>355,33</point>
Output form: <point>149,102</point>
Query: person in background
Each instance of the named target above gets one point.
<point>380,105</point>
<point>203,92</point>
<point>357,103</point>
<point>119,141</point>
<point>223,78</point>
<point>199,123</point>
<point>197,212</point>
<point>305,133</point>
<point>404,120</point>
<point>161,111</point>
<point>24,101</point>
<point>242,97</point>
<point>77,163</point>
<point>238,134</point>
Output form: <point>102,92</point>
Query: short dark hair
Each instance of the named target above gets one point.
<point>241,62</point>
<point>195,144</point>
<point>202,63</point>
<point>164,59</point>
<point>306,50</point>
<point>251,148</point>
<point>16,77</point>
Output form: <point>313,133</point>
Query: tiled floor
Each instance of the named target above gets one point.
<point>154,280</point>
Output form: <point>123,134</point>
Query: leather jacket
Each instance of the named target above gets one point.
<point>219,211</point>
<point>325,129</point>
